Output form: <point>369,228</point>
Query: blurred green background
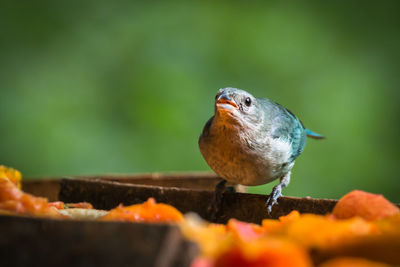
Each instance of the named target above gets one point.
<point>93,87</point>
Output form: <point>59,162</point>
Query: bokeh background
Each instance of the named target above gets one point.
<point>93,87</point>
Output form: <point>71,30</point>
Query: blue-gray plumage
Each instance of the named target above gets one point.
<point>252,141</point>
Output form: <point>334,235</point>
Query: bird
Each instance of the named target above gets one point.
<point>252,141</point>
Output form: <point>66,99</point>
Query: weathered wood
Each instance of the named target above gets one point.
<point>48,188</point>
<point>26,241</point>
<point>246,207</point>
<point>191,180</point>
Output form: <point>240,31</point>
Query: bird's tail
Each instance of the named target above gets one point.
<point>314,135</point>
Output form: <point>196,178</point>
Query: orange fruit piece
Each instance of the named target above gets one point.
<point>365,205</point>
<point>149,211</point>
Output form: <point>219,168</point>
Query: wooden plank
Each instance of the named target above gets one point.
<point>191,180</point>
<point>29,241</point>
<point>246,207</point>
<point>48,188</point>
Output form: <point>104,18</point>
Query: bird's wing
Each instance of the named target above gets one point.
<point>206,128</point>
<point>288,127</point>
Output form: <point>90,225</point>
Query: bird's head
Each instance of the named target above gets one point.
<point>237,106</point>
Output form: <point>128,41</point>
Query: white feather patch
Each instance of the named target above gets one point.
<point>280,150</point>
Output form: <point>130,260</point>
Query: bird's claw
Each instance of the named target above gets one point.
<point>273,197</point>
<point>216,202</point>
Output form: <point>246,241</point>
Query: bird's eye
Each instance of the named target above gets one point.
<point>248,101</point>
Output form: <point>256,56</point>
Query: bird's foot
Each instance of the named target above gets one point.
<point>230,189</point>
<point>215,205</point>
<point>273,197</point>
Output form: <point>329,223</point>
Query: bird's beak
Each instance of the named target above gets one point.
<point>224,101</point>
